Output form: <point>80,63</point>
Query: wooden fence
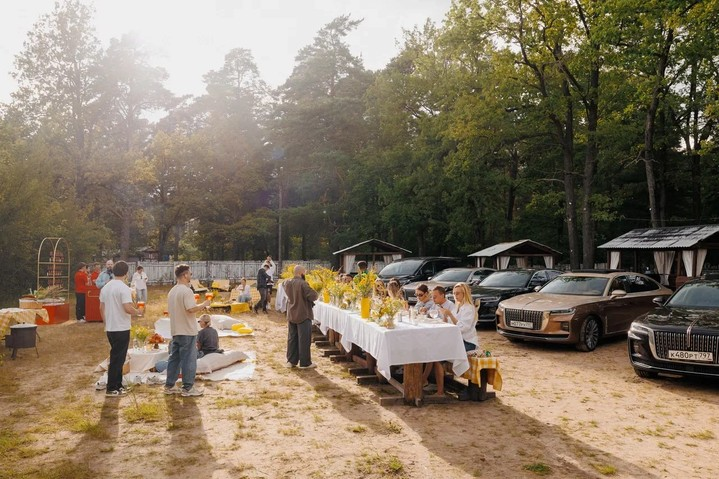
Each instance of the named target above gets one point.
<point>163,272</point>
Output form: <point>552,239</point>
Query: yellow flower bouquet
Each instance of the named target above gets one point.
<point>384,311</point>
<point>364,284</point>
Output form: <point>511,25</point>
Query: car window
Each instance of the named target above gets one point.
<point>508,279</point>
<point>479,274</point>
<point>453,275</point>
<point>576,285</point>
<point>620,282</point>
<point>540,277</point>
<point>696,295</point>
<point>640,284</point>
<point>400,268</point>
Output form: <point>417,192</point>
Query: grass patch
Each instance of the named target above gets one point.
<point>393,427</point>
<point>380,465</point>
<point>144,412</point>
<point>605,469</point>
<point>226,403</point>
<point>10,441</point>
<point>538,468</point>
<point>291,431</point>
<point>703,435</point>
<point>358,428</point>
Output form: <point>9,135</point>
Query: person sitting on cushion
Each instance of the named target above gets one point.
<point>208,341</point>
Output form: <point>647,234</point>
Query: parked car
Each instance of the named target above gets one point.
<point>579,308</point>
<point>448,278</point>
<point>681,336</point>
<point>407,270</point>
<point>506,284</point>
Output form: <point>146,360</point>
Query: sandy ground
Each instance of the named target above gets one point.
<point>562,413</point>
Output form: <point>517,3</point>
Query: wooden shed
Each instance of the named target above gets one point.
<point>678,252</point>
<point>376,252</point>
<point>524,252</point>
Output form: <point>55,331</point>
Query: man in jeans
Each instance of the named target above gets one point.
<point>183,327</point>
<point>116,310</point>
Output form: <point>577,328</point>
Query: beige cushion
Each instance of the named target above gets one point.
<point>213,362</point>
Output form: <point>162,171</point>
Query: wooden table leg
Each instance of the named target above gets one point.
<point>412,383</point>
<point>483,394</point>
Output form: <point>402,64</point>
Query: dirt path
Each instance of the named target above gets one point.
<point>562,414</point>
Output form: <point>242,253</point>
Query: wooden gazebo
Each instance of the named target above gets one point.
<point>678,251</point>
<point>376,252</point>
<point>522,251</point>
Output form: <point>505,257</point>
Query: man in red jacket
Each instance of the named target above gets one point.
<point>82,281</point>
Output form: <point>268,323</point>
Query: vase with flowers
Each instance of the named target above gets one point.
<point>363,285</point>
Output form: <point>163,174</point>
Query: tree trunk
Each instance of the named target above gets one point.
<point>511,193</point>
<point>566,134</point>
<point>590,168</point>
<point>126,225</point>
<point>649,127</point>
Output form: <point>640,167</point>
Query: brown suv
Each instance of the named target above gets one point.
<point>579,308</point>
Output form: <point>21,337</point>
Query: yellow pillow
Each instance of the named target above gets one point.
<point>238,326</point>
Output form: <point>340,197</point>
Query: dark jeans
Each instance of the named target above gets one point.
<point>119,341</point>
<point>262,303</point>
<point>299,340</point>
<point>79,306</point>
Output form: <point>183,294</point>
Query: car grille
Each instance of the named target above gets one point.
<point>535,317</point>
<point>669,340</point>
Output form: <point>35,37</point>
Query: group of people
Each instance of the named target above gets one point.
<point>86,281</point>
<point>117,309</point>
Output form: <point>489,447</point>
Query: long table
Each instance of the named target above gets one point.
<point>407,344</point>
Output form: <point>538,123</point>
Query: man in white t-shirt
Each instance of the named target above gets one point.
<point>183,326</point>
<point>116,311</point>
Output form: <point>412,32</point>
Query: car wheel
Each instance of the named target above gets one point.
<point>589,335</point>
<point>645,374</point>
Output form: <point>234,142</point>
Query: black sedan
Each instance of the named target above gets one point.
<point>506,284</point>
<point>447,278</point>
<point>681,336</point>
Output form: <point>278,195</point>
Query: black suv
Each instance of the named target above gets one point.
<point>506,284</point>
<point>407,270</point>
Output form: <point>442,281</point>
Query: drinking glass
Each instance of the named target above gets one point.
<point>208,296</point>
<point>433,313</point>
<point>141,307</point>
<point>197,297</point>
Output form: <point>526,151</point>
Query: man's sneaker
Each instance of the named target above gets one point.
<point>116,393</point>
<point>81,320</point>
<point>172,390</point>
<point>289,365</point>
<point>192,392</point>
<point>309,366</point>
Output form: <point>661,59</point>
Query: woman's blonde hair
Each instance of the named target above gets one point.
<point>467,297</point>
<point>379,288</point>
<point>393,289</point>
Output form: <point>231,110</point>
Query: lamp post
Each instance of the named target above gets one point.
<point>279,220</point>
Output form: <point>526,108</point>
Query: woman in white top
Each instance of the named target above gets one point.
<point>244,292</point>
<point>464,315</point>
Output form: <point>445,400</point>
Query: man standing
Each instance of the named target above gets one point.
<point>116,309</point>
<point>105,276</point>
<point>139,281</point>
<point>82,282</point>
<point>300,299</point>
<point>262,284</point>
<point>271,282</point>
<point>183,327</point>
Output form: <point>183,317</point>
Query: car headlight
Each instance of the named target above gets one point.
<point>489,299</point>
<point>556,312</point>
<point>639,328</point>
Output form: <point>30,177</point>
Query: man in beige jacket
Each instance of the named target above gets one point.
<point>300,299</point>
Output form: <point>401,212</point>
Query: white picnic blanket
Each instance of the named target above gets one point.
<point>221,322</point>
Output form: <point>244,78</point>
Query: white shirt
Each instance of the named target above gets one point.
<point>113,295</point>
<point>139,280</point>
<point>466,317</point>
<point>271,271</point>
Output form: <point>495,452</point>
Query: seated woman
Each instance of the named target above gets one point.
<point>464,315</point>
<point>394,290</point>
<point>379,291</point>
<point>244,292</point>
<point>208,341</point>
<point>424,299</point>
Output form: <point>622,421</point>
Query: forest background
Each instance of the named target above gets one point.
<point>568,122</point>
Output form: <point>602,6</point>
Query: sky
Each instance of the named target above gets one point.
<point>191,37</point>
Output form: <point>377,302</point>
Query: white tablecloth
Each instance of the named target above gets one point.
<point>141,360</point>
<point>406,344</point>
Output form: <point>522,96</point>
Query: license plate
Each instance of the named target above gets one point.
<point>522,324</point>
<point>691,356</point>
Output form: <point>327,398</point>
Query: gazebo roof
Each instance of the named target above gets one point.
<point>524,247</point>
<point>374,245</point>
<point>672,237</point>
